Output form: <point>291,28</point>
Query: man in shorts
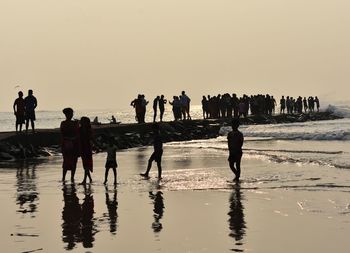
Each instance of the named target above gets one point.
<point>157,153</point>
<point>30,103</point>
<point>18,108</point>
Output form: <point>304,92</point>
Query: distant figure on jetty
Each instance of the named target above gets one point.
<point>185,105</point>
<point>176,108</point>
<point>95,121</point>
<point>157,153</point>
<point>235,142</point>
<point>162,101</point>
<point>113,120</point>
<point>282,104</point>
<point>317,101</point>
<point>111,162</point>
<point>140,104</point>
<point>155,108</point>
<point>86,147</point>
<point>70,143</point>
<point>205,107</point>
<point>30,103</point>
<point>19,109</point>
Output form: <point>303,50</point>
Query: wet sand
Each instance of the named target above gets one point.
<point>276,207</point>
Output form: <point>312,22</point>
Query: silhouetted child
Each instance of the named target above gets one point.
<point>111,162</point>
<point>157,153</point>
<point>235,142</point>
<point>86,147</point>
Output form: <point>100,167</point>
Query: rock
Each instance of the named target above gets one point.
<point>6,156</point>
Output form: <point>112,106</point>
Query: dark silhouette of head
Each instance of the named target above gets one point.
<point>235,124</point>
<point>68,112</point>
<point>20,94</point>
<point>30,92</point>
<point>183,92</point>
<point>85,123</point>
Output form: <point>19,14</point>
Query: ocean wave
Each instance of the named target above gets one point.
<point>279,158</point>
<point>339,110</point>
<point>340,132</point>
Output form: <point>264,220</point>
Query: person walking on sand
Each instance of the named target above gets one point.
<point>111,162</point>
<point>30,103</point>
<point>157,153</point>
<point>18,108</point>
<point>235,142</point>
<point>86,147</point>
<point>70,143</point>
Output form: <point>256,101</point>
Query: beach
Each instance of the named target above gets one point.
<point>279,206</point>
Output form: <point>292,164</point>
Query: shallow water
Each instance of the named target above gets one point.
<point>278,207</point>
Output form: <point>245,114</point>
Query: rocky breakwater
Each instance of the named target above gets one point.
<point>47,142</point>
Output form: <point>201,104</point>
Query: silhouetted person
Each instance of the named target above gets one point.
<point>95,121</point>
<point>157,153</point>
<point>86,147</point>
<point>176,108</point>
<point>113,120</point>
<point>70,143</point>
<point>317,101</point>
<point>236,220</point>
<point>305,105</point>
<point>71,216</point>
<point>235,143</point>
<point>19,111</point>
<point>205,109</point>
<point>185,104</point>
<point>162,102</point>
<point>158,210</point>
<point>30,103</point>
<point>111,162</point>
<point>137,104</point>
<point>112,206</point>
<point>155,108</point>
<point>144,103</point>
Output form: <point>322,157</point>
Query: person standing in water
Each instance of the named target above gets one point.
<point>70,143</point>
<point>86,147</point>
<point>111,162</point>
<point>235,142</point>
<point>157,153</point>
<point>30,103</point>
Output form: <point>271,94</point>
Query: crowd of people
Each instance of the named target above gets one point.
<point>291,105</point>
<point>180,107</point>
<point>231,106</point>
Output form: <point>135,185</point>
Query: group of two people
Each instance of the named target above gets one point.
<point>24,110</point>
<point>77,141</point>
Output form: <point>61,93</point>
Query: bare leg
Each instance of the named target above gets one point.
<point>106,175</point>
<point>149,166</point>
<point>64,175</point>
<point>159,165</point>
<point>115,175</point>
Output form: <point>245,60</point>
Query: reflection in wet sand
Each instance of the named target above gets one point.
<point>27,195</point>
<point>78,223</point>
<point>158,210</point>
<point>236,220</point>
<point>112,206</point>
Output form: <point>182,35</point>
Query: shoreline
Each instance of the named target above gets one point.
<point>46,142</point>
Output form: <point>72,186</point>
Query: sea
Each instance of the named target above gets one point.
<point>319,142</point>
<point>293,193</point>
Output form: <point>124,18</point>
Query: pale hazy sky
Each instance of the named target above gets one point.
<point>102,53</point>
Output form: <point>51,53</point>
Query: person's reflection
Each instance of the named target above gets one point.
<point>27,195</point>
<point>112,206</point>
<point>236,220</point>
<point>88,230</point>
<point>71,215</point>
<point>158,210</point>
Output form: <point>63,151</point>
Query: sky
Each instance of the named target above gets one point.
<point>91,54</point>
